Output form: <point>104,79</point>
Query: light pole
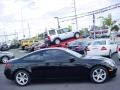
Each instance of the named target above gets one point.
<point>29,30</point>
<point>76,21</point>
<point>94,24</point>
<point>58,22</point>
<point>22,26</point>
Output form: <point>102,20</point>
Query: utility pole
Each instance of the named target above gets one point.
<point>94,25</point>
<point>16,34</point>
<point>22,26</point>
<point>58,22</point>
<point>5,36</point>
<point>29,30</point>
<point>76,21</point>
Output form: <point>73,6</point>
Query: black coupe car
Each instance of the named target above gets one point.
<point>59,63</point>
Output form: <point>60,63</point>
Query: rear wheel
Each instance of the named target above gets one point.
<point>57,41</point>
<point>77,35</point>
<point>22,78</point>
<point>99,74</point>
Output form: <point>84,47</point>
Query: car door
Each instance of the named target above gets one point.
<point>68,33</point>
<point>61,34</point>
<point>67,65</point>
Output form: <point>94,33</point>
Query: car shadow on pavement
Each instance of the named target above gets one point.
<point>59,81</point>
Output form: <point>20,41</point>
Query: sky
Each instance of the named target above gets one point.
<point>22,16</point>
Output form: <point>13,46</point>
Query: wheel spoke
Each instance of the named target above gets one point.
<point>99,75</point>
<point>21,78</point>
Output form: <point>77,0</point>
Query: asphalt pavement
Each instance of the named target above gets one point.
<point>112,84</point>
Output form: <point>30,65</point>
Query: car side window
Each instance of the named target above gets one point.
<point>66,30</point>
<point>60,31</point>
<point>112,42</point>
<point>35,56</point>
<point>52,32</point>
<point>56,55</point>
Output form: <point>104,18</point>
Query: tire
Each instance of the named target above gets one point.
<point>77,35</point>
<point>5,59</point>
<point>22,78</point>
<point>57,41</point>
<point>99,74</point>
<point>110,54</point>
<point>23,47</point>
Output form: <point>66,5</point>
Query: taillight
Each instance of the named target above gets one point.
<point>103,48</point>
<point>118,49</point>
<point>77,48</point>
<point>48,37</point>
<point>7,65</point>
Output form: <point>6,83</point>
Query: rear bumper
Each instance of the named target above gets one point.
<point>8,74</point>
<point>102,53</point>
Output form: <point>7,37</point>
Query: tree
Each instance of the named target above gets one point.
<point>115,28</point>
<point>84,31</point>
<point>107,21</point>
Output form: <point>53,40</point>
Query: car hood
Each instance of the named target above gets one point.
<point>108,60</point>
<point>94,57</point>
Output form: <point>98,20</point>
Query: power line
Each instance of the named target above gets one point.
<point>92,12</point>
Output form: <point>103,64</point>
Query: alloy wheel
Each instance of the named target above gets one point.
<point>22,78</point>
<point>99,75</point>
<point>77,35</point>
<point>5,59</point>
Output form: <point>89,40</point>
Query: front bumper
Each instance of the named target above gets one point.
<point>118,55</point>
<point>112,73</point>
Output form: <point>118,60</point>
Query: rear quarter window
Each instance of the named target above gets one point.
<point>52,32</point>
<point>99,42</point>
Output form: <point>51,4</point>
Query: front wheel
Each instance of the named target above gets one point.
<point>99,74</point>
<point>22,78</point>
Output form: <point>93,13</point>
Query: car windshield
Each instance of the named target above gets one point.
<point>52,32</point>
<point>73,53</point>
<point>103,42</point>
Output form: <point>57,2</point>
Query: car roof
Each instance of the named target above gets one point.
<point>37,51</point>
<point>59,48</point>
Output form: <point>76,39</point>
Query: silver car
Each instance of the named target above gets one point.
<point>5,56</point>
